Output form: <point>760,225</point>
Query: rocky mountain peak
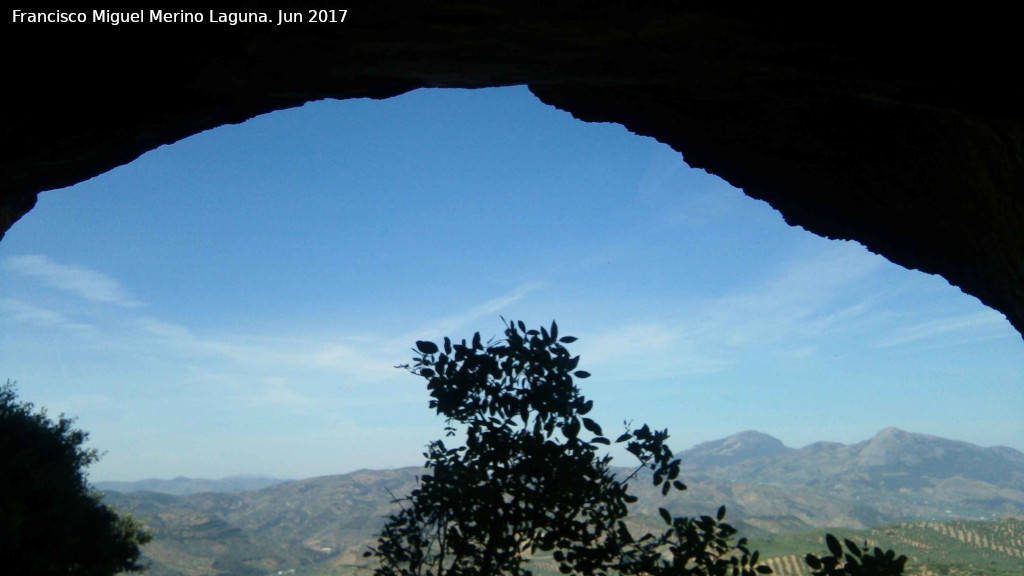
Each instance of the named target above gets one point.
<point>738,447</point>
<point>891,432</point>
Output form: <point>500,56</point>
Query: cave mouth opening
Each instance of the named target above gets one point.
<point>247,290</point>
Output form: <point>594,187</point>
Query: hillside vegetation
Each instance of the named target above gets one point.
<point>954,548</point>
<point>920,495</point>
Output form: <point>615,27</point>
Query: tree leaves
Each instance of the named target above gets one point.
<point>426,347</point>
<point>856,562</point>
<point>665,516</point>
<point>833,545</point>
<point>51,520</point>
<point>852,547</point>
<point>571,429</point>
<point>525,482</point>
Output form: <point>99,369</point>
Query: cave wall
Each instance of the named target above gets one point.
<point>902,132</point>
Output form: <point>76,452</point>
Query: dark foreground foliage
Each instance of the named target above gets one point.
<point>530,478</point>
<point>855,561</point>
<point>50,522</point>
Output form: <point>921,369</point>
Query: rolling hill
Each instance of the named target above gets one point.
<point>322,525</point>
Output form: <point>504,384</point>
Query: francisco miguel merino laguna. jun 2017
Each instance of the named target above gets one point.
<point>180,16</point>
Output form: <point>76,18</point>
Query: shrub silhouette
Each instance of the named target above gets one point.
<point>50,522</point>
<point>529,478</point>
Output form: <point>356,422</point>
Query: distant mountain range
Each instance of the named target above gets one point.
<point>892,458</point>
<point>182,486</point>
<point>894,476</point>
<point>768,488</point>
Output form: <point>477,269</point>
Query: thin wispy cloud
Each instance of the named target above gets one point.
<point>490,308</point>
<point>357,364</point>
<point>83,282</point>
<point>984,322</point>
<point>174,333</point>
<point>647,352</point>
<point>21,311</point>
<point>354,359</point>
<point>277,391</point>
<point>806,299</point>
<point>785,314</point>
<point>369,360</point>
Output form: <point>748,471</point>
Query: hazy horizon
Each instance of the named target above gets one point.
<point>236,302</point>
<point>625,464</point>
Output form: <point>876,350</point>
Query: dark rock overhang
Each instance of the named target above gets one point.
<point>904,133</point>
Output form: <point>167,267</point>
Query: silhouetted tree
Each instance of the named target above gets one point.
<point>50,522</point>
<point>527,481</point>
<point>855,562</point>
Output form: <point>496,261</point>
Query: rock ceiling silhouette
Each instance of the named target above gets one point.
<point>902,132</point>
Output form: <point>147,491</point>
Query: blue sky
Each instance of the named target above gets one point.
<point>236,302</point>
